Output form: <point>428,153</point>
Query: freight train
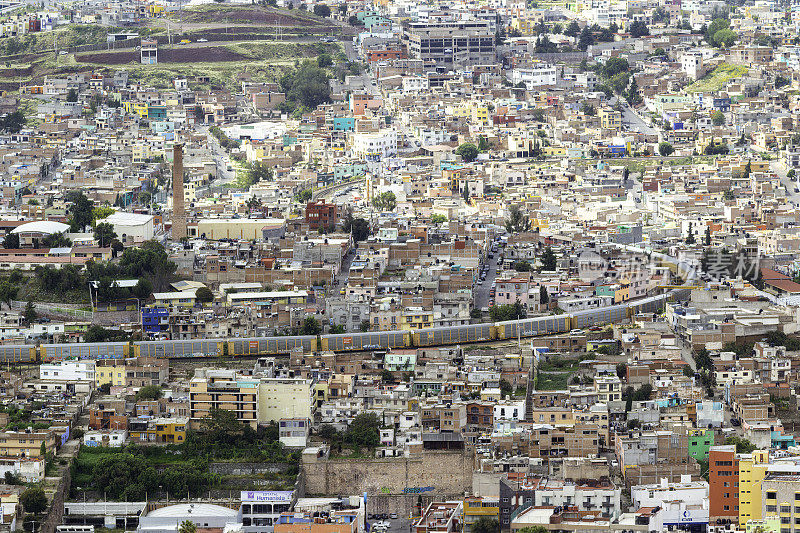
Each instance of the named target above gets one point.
<point>378,340</point>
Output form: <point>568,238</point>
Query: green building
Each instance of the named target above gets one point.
<point>700,440</point>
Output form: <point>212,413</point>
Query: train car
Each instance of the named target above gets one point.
<point>531,327</point>
<point>180,348</point>
<point>453,335</point>
<point>18,353</point>
<point>653,304</point>
<point>603,315</point>
<point>382,340</point>
<point>271,345</point>
<point>84,350</point>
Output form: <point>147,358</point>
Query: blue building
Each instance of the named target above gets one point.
<point>344,123</point>
<point>155,319</point>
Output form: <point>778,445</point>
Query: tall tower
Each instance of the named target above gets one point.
<point>178,209</point>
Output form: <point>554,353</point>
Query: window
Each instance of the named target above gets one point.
<point>771,495</point>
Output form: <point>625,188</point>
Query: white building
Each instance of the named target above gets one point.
<point>29,469</point>
<point>132,227</point>
<point>603,498</point>
<point>205,515</point>
<point>415,84</point>
<point>113,438</point>
<point>68,371</point>
<point>261,509</point>
<point>536,76</point>
<point>375,146</point>
<point>684,503</point>
<point>509,410</point>
<point>293,432</point>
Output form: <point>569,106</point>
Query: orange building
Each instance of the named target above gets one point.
<point>723,483</point>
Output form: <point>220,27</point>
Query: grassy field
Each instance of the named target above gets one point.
<point>552,380</point>
<point>262,15</point>
<point>717,79</point>
<point>264,61</point>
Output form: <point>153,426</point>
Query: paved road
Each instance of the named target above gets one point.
<point>221,158</point>
<point>481,292</point>
<point>789,184</point>
<point>631,120</point>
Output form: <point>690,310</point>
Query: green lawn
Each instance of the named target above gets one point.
<point>552,381</point>
<point>717,79</point>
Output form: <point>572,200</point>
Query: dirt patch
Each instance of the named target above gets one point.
<point>246,15</point>
<point>109,58</point>
<point>206,54</point>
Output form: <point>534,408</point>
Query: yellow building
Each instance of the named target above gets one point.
<point>752,469</point>
<point>158,430</point>
<point>477,508</point>
<point>113,374</point>
<point>610,119</point>
<point>415,318</point>
<point>480,113</point>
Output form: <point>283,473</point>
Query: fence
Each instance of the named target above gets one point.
<point>54,309</point>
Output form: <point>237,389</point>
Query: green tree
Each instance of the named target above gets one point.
<point>485,524</point>
<point>614,66</point>
<point>437,219</point>
<point>517,221</point>
<point>742,445</point>
<point>11,241</point>
<point>483,144</point>
<point>12,122</point>
<point>364,326</point>
<point>308,85</point>
<point>548,260</point>
<point>521,266</point>
<point>149,392</point>
<point>311,326</point>
<point>387,376</point>
<point>791,174</point>
<point>573,29</point>
<point>72,95</point>
<point>719,23</point>
<point>363,431</point>
<point>30,314</point>
<point>304,196</point>
<point>33,500</point>
<point>468,152</point>
<point>257,172</point>
<point>204,295</point>
<point>187,526</point>
<point>585,40</point>
<point>506,390</point>
<point>322,10</point>
<point>544,297</point>
<point>8,292</point>
<point>501,313</point>
<point>324,60</point>
<point>638,29</point>
<point>336,329</point>
<point>80,210</point>
<point>665,148</point>
<point>386,201</point>
<point>104,234</point>
<point>533,529</point>
<point>725,38</point>
<point>360,229</point>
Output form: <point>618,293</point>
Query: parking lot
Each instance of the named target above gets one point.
<point>398,525</point>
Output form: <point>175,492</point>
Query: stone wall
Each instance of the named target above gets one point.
<point>446,472</point>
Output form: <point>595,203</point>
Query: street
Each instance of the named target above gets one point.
<point>791,185</point>
<point>631,119</point>
<point>481,292</point>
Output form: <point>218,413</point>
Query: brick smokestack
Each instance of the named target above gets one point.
<point>178,208</point>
